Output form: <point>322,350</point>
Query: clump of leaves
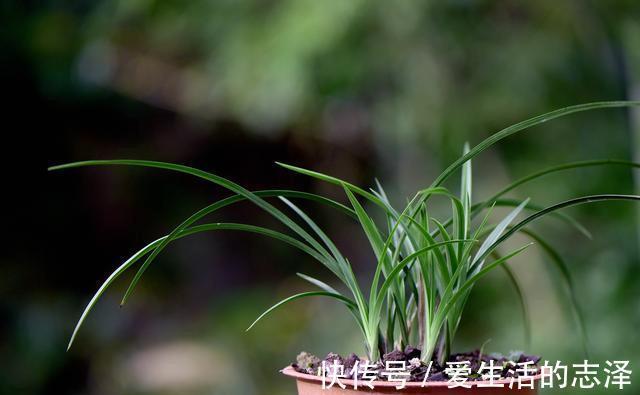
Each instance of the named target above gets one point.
<point>425,267</point>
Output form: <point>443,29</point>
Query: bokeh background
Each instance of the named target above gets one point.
<point>357,89</point>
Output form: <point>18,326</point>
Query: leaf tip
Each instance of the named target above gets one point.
<point>56,167</point>
<point>586,233</point>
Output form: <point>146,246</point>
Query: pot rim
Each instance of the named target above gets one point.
<point>291,372</point>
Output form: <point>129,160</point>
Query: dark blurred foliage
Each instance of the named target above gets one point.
<point>352,88</point>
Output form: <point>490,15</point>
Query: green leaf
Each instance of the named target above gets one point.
<point>569,220</point>
<point>465,198</point>
<point>496,233</point>
<point>320,284</point>
<point>223,182</point>
<point>338,259</point>
<point>526,321</point>
<point>369,227</point>
<point>398,268</point>
<point>453,259</point>
<point>449,300</point>
<point>558,168</point>
<point>335,181</point>
<point>346,301</point>
<point>196,229</point>
<point>526,124</point>
<point>567,279</point>
<point>343,269</point>
<point>443,268</point>
<point>355,311</point>
<point>555,207</point>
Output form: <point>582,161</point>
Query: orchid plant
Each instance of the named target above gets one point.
<point>425,267</point>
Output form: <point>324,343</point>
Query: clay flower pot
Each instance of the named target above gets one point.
<point>312,385</point>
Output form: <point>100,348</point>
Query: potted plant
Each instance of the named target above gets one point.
<point>425,268</point>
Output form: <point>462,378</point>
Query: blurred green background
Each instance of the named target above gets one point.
<point>352,88</point>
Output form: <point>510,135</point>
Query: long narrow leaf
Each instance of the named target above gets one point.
<point>506,132</point>
<point>398,268</point>
<point>569,220</point>
<point>558,168</point>
<point>346,301</point>
<point>189,231</point>
<point>353,309</point>
<point>342,266</point>
<point>223,182</point>
<point>335,181</point>
<point>450,300</point>
<point>496,233</point>
<point>567,279</point>
<point>526,321</point>
<point>555,207</point>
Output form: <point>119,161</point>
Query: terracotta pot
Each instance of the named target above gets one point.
<point>312,385</point>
